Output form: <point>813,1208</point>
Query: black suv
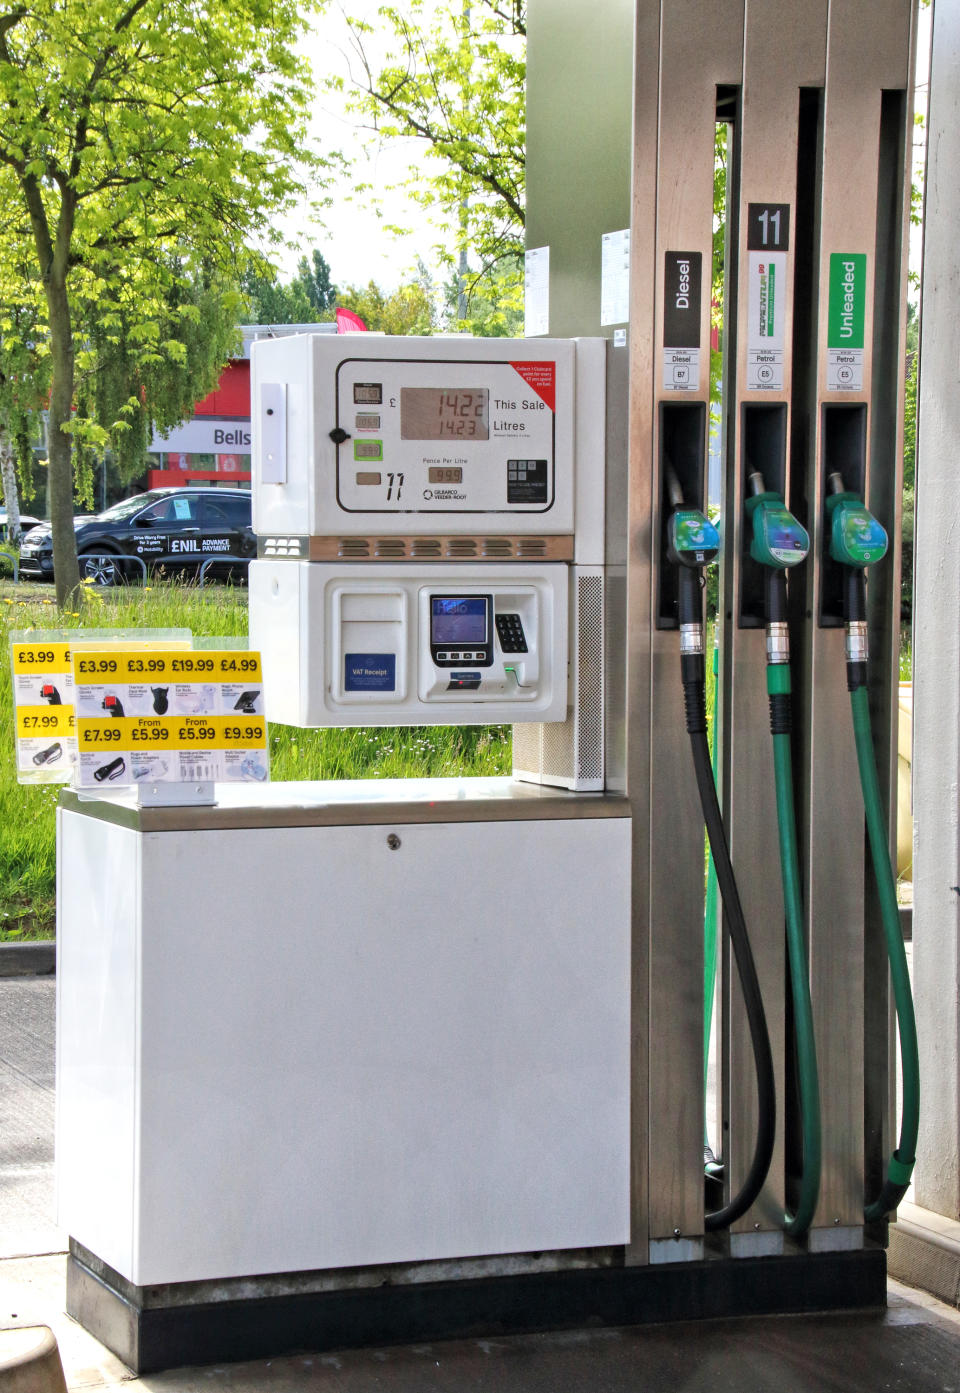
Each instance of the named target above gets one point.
<point>176,529</point>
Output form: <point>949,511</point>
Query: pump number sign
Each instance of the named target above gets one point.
<point>169,716</point>
<point>768,240</point>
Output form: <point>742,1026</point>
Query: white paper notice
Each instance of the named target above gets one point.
<point>615,277</point>
<point>536,292</point>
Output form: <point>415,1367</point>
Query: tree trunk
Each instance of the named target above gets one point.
<point>8,475</point>
<point>60,446</point>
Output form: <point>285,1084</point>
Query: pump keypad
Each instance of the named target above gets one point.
<point>510,633</point>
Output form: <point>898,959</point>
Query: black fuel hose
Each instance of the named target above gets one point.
<point>693,672</point>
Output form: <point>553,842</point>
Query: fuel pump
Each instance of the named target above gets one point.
<point>692,544</point>
<point>857,540</point>
<point>778,543</point>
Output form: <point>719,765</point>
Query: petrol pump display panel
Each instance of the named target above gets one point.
<point>436,438</point>
<point>454,436</point>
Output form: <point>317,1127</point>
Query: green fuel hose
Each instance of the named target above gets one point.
<point>900,1166</point>
<point>778,688</point>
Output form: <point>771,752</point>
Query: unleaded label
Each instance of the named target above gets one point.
<point>846,317</point>
<point>848,300</point>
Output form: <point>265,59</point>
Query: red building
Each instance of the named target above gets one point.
<point>214,446</point>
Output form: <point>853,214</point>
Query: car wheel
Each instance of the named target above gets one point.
<point>100,568</point>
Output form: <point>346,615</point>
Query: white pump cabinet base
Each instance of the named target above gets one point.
<point>330,1025</point>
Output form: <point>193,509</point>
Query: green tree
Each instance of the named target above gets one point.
<point>456,85</point>
<point>306,299</point>
<point>127,393</point>
<point>494,303</point>
<point>314,277</point>
<point>410,309</point>
<point>24,379</point>
<point>133,132</point>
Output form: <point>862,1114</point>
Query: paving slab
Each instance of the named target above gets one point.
<point>27,1047</point>
<point>914,1347</point>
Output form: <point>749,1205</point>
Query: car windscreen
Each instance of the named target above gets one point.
<point>117,512</point>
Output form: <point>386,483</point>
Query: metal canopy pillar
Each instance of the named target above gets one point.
<point>936,654</point>
<point>817,95</point>
<point>783,53</point>
<point>850,421</point>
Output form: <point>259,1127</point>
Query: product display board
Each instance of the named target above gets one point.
<point>165,715</point>
<point>43,693</point>
<point>43,701</point>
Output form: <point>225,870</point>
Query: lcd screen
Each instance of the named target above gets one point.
<point>458,619</point>
<point>444,413</point>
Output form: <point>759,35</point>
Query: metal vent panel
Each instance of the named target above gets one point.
<point>590,677</point>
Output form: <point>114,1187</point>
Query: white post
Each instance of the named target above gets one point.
<point>936,654</point>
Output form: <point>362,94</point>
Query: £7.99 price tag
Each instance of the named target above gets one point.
<point>169,716</point>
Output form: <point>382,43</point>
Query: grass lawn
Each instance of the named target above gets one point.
<point>27,837</point>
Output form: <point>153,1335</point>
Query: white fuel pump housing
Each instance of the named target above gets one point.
<point>420,504</point>
<point>414,438</point>
<point>450,644</point>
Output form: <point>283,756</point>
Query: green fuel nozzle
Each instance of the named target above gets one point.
<point>778,539</point>
<point>857,539</point>
<point>778,542</point>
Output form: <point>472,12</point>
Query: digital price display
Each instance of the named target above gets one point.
<point>445,474</point>
<point>458,619</point>
<point>444,413</point>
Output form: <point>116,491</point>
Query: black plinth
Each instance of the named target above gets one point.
<point>150,1333</point>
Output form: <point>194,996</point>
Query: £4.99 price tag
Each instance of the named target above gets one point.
<point>170,716</point>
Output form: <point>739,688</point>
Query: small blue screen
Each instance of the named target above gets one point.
<point>458,619</point>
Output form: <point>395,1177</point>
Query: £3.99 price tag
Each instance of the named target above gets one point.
<point>170,716</point>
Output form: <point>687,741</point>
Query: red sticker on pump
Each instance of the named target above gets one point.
<point>542,377</point>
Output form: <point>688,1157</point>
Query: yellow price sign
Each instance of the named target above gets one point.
<point>145,733</point>
<point>41,657</point>
<point>44,720</point>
